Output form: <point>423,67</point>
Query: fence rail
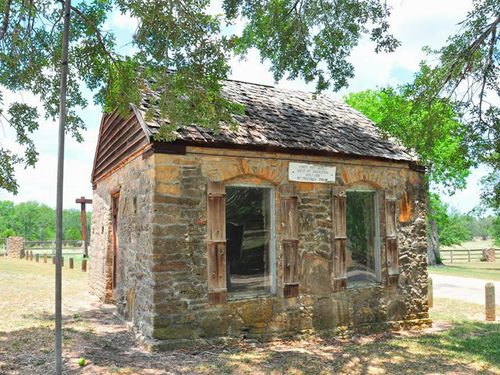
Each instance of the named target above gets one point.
<point>41,247</point>
<point>464,255</point>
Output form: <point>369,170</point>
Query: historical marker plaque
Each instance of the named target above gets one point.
<point>318,173</point>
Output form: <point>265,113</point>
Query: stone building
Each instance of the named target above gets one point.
<point>303,220</point>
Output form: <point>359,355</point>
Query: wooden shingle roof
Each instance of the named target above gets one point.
<point>281,119</point>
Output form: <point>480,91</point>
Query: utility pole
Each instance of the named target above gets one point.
<point>60,179</point>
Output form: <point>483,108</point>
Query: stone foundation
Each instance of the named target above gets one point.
<point>15,247</point>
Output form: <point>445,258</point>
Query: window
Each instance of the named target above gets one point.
<point>362,248</point>
<point>249,239</point>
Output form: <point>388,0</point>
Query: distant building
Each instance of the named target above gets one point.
<point>305,219</point>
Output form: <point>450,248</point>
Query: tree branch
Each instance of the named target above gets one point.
<point>6,17</point>
<point>485,73</point>
<point>469,51</point>
<point>97,33</point>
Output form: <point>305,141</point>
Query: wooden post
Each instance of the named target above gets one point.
<point>489,289</point>
<point>430,293</point>
<point>83,220</point>
<point>84,265</point>
<point>54,259</point>
<point>289,227</point>
<point>468,254</point>
<point>70,263</point>
<point>62,261</point>
<point>451,256</point>
<point>31,255</point>
<point>37,256</point>
<point>44,258</point>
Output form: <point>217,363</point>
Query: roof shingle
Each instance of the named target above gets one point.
<point>287,119</point>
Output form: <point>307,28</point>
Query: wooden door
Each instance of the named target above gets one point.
<point>114,211</point>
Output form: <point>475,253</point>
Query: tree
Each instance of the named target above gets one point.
<point>453,228</point>
<point>72,225</point>
<point>35,221</point>
<point>27,220</point>
<point>182,51</point>
<point>495,231</point>
<point>448,113</point>
<point>481,226</point>
<point>466,74</point>
<point>6,216</point>
<point>435,132</point>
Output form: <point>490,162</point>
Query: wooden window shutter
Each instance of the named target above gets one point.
<point>216,242</point>
<point>338,267</point>
<point>391,239</point>
<point>289,229</point>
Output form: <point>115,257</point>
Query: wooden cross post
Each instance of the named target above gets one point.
<point>83,220</point>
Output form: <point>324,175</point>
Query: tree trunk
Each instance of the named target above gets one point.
<point>433,254</point>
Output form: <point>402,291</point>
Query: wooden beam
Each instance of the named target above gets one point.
<point>83,219</point>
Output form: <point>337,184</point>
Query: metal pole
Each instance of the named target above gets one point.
<point>60,179</point>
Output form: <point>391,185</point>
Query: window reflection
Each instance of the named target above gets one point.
<point>248,238</point>
<point>361,234</point>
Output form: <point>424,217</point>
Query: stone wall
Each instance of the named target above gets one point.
<point>181,313</point>
<point>134,288</point>
<point>15,247</point>
<point>489,255</point>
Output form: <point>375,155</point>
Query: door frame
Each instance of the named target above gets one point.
<point>115,203</point>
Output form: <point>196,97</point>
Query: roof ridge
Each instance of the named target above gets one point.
<point>286,89</point>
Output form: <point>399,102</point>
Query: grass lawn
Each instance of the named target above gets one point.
<point>480,270</point>
<point>94,331</point>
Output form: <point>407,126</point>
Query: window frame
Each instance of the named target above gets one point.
<point>272,242</point>
<point>377,243</point>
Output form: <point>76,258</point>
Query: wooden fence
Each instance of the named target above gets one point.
<point>464,255</point>
<point>70,247</point>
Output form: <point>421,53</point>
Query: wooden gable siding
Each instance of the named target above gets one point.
<point>119,138</point>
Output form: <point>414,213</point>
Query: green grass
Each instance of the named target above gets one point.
<point>452,310</point>
<point>28,291</point>
<point>479,270</point>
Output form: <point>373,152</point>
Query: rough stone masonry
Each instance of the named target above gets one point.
<point>15,247</point>
<point>162,261</point>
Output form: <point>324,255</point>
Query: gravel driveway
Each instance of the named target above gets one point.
<point>462,288</point>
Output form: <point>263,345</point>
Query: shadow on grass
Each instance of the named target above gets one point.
<point>469,347</point>
<point>100,337</point>
<point>481,340</point>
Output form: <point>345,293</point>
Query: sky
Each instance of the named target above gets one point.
<point>416,23</point>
